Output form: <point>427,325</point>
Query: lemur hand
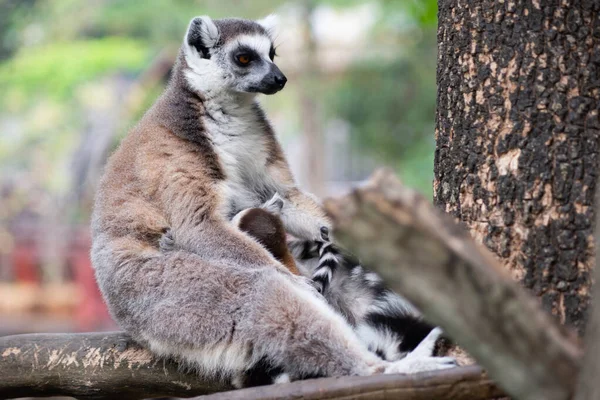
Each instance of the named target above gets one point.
<point>302,217</point>
<point>274,205</point>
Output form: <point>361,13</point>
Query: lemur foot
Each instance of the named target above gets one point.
<point>421,359</point>
<point>412,365</point>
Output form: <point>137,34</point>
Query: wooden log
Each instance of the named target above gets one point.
<point>466,383</point>
<point>424,255</point>
<point>111,365</point>
<point>91,366</point>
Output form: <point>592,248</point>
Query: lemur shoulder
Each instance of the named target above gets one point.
<point>217,300</point>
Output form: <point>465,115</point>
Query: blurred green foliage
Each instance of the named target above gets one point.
<point>53,51</point>
<point>56,69</point>
<point>391,107</point>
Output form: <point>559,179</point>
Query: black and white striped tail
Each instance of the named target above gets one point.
<point>329,261</point>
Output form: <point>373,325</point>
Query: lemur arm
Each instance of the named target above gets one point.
<point>193,202</point>
<point>302,214</point>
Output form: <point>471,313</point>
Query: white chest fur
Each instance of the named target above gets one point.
<point>238,136</point>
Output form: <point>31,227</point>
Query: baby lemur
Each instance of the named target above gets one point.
<point>217,301</point>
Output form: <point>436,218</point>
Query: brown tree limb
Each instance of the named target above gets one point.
<point>90,365</point>
<point>466,383</point>
<point>111,365</point>
<point>424,255</point>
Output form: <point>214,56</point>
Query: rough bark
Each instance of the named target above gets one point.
<point>90,366</point>
<point>110,365</point>
<point>517,137</point>
<point>468,383</point>
<point>421,253</point>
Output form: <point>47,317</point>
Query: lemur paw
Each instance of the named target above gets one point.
<point>318,286</point>
<point>307,283</point>
<point>413,364</point>
<point>325,233</point>
<point>167,242</point>
<point>274,205</point>
<point>421,359</point>
<point>427,345</point>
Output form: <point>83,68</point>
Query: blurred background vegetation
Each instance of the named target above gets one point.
<point>75,75</point>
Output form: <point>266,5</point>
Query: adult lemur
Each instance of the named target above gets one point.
<point>218,301</point>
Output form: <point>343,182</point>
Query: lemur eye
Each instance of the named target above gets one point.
<point>243,59</point>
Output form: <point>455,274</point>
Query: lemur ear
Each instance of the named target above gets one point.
<point>202,34</point>
<point>270,23</point>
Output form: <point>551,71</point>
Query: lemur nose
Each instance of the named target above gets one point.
<point>280,80</point>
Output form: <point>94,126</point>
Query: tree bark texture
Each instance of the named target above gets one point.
<point>517,137</point>
<point>91,366</point>
<point>421,253</point>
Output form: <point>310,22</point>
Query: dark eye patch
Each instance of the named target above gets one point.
<point>272,53</point>
<point>246,51</point>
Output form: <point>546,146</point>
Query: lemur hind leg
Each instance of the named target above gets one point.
<point>228,319</point>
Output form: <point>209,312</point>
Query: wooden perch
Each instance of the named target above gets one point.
<point>91,365</point>
<point>422,253</point>
<point>466,383</point>
<point>110,365</point>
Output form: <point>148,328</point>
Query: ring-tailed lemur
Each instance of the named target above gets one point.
<point>217,301</point>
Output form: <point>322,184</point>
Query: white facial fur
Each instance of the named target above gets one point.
<point>221,72</point>
<point>202,74</point>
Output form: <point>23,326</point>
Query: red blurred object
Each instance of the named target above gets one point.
<point>25,262</point>
<point>91,313</point>
<point>75,303</point>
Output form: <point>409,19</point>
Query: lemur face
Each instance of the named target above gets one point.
<point>232,54</point>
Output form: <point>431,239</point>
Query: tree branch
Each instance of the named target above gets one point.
<point>91,365</point>
<point>466,383</point>
<point>107,365</point>
<point>423,254</point>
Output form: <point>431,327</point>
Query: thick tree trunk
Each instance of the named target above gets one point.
<point>517,137</point>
